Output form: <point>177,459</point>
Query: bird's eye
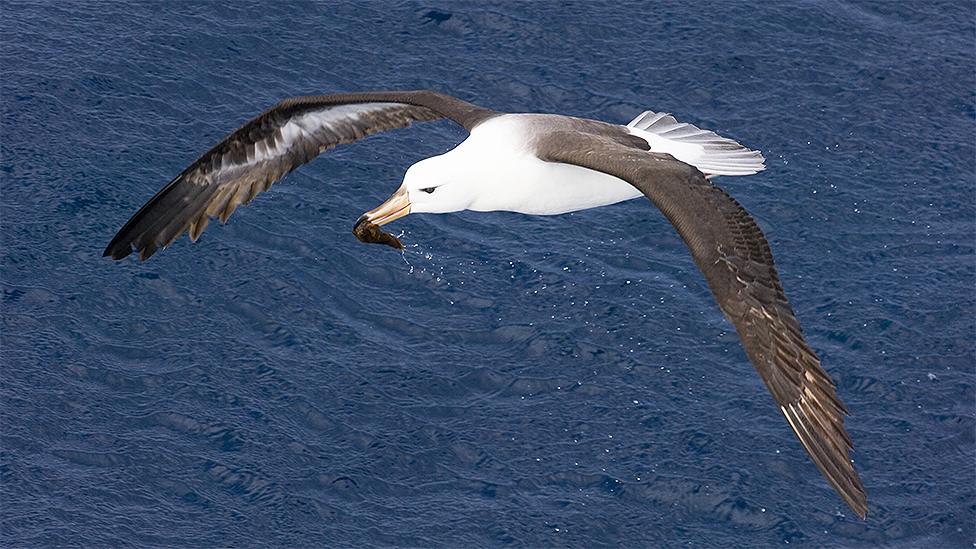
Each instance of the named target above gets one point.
<point>428,190</point>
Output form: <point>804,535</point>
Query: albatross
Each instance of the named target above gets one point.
<point>539,164</point>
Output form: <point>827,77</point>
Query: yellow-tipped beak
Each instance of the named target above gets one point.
<point>395,207</point>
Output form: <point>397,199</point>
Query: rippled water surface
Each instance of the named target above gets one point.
<point>509,380</point>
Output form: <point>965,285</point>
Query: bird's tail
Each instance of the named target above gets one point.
<point>706,150</point>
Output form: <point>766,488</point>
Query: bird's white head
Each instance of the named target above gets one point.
<point>434,185</point>
<point>440,184</point>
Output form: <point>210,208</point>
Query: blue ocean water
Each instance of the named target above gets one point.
<point>508,380</point>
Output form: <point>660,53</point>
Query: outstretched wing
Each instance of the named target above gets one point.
<point>737,263</point>
<point>269,146</point>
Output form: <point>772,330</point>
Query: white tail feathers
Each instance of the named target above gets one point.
<point>703,149</point>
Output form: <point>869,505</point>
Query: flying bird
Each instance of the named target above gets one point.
<point>540,164</point>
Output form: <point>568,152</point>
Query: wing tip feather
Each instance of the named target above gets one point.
<point>839,473</point>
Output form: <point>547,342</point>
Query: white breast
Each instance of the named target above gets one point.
<point>511,178</point>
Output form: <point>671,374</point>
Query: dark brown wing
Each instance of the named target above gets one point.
<point>269,146</point>
<point>735,258</point>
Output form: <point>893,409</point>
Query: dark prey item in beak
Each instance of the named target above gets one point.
<point>371,233</point>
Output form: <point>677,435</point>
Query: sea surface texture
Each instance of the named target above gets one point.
<point>508,380</point>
